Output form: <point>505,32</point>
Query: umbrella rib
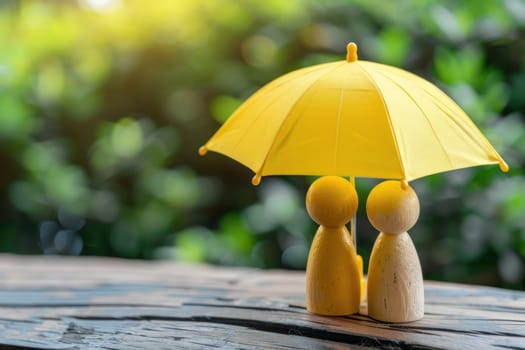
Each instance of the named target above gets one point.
<point>394,137</point>
<point>259,172</point>
<point>307,70</point>
<point>424,114</point>
<point>338,129</point>
<point>447,111</point>
<point>259,115</point>
<point>481,142</point>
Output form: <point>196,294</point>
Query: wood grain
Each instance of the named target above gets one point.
<point>100,303</point>
<point>395,290</point>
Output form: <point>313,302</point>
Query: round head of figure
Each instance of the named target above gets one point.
<point>331,201</point>
<point>391,208</point>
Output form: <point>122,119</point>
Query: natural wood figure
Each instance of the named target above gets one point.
<point>332,272</point>
<point>395,282</point>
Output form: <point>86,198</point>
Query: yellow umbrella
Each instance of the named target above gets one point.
<point>352,118</point>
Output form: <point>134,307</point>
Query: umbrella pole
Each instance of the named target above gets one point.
<point>353,221</point>
<point>353,224</point>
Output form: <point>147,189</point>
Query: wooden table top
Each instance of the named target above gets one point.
<point>102,303</point>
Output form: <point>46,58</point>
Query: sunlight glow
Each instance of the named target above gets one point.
<point>102,5</point>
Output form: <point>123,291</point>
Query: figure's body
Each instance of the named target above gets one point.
<point>333,284</point>
<point>395,282</point>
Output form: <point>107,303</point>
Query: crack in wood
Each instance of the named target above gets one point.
<point>24,346</point>
<point>511,347</point>
<point>75,334</point>
<point>281,328</point>
<point>452,330</point>
<point>244,307</point>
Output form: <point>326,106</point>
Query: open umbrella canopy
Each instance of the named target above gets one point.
<point>352,118</point>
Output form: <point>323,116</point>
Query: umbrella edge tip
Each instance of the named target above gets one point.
<point>256,180</point>
<point>503,166</point>
<point>203,150</point>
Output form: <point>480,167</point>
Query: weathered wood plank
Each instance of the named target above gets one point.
<point>85,303</point>
<point>141,334</point>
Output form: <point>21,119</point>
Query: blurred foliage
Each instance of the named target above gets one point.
<point>104,103</point>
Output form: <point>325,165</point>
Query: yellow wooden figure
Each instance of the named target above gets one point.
<point>395,283</point>
<point>332,272</point>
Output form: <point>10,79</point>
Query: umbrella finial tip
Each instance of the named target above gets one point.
<point>203,150</point>
<point>351,52</point>
<point>256,180</point>
<point>503,166</point>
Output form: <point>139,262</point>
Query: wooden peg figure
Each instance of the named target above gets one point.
<point>333,285</point>
<point>395,282</point>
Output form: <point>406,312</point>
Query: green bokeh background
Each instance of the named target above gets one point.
<point>104,103</point>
